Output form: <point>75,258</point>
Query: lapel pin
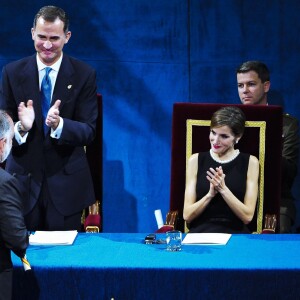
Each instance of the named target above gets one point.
<point>69,86</point>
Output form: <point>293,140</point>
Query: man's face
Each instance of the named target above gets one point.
<point>49,39</point>
<point>250,88</point>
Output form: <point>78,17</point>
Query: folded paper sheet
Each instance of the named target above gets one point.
<point>53,237</point>
<point>207,238</point>
<point>159,219</point>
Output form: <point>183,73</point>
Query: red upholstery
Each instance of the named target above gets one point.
<point>249,143</point>
<point>92,221</point>
<point>164,229</point>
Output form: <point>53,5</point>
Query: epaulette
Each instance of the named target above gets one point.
<point>287,115</point>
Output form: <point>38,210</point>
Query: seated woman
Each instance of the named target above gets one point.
<point>222,184</point>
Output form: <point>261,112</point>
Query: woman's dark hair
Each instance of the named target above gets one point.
<point>230,116</point>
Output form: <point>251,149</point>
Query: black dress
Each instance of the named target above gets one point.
<point>218,217</point>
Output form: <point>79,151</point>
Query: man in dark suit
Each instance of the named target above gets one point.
<point>51,164</point>
<point>13,233</point>
<point>253,80</point>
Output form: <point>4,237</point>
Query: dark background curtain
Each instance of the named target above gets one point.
<point>150,54</point>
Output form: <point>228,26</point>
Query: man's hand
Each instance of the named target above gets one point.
<point>53,117</point>
<point>26,115</point>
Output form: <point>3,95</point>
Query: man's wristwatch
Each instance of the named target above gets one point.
<point>20,127</point>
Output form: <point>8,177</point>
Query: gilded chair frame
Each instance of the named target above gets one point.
<point>261,125</point>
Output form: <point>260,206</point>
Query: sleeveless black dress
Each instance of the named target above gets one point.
<point>218,217</point>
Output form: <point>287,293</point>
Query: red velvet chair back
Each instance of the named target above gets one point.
<point>254,140</point>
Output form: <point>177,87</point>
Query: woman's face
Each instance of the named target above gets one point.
<point>221,139</point>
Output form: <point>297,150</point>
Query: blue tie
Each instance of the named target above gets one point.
<point>46,96</point>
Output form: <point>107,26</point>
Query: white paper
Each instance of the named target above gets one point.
<point>53,237</point>
<point>159,219</point>
<point>207,238</point>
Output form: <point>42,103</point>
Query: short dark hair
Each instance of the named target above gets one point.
<point>257,66</point>
<point>4,123</point>
<point>230,116</point>
<point>50,14</point>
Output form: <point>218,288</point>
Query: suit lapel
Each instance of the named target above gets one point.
<point>64,82</point>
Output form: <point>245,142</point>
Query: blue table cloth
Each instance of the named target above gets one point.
<point>121,266</point>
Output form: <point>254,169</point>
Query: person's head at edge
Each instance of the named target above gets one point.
<point>253,80</point>
<point>226,128</point>
<point>50,33</point>
<point>6,135</point>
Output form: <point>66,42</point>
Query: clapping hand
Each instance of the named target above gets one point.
<point>26,114</point>
<point>216,177</point>
<point>53,117</point>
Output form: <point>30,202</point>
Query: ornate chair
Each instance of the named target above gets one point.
<point>170,223</point>
<point>262,138</point>
<point>91,217</point>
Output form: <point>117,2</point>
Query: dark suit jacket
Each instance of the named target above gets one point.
<point>13,233</point>
<point>63,160</point>
<point>290,154</point>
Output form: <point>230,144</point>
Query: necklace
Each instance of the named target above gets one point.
<point>236,153</point>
